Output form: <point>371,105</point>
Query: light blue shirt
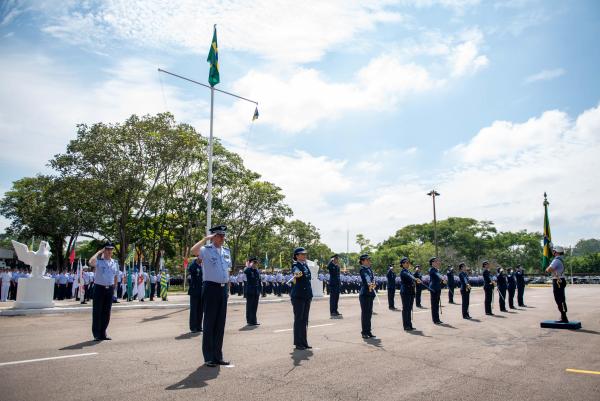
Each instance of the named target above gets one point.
<point>106,270</point>
<point>216,263</point>
<point>557,266</point>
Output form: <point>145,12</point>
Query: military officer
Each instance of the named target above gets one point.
<point>559,282</point>
<point>436,282</point>
<point>450,279</point>
<point>488,287</point>
<point>465,289</point>
<point>334,285</point>
<point>195,293</point>
<point>366,295</point>
<point>216,263</point>
<point>105,281</point>
<point>419,288</point>
<point>391,287</point>
<point>512,286</point>
<point>519,274</point>
<point>252,290</point>
<point>408,284</point>
<point>301,296</point>
<point>502,287</point>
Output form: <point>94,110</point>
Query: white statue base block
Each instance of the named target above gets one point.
<point>35,293</point>
<point>315,283</point>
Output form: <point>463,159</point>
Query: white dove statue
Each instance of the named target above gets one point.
<point>37,260</point>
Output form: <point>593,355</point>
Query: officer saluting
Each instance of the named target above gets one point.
<point>408,284</point>
<point>435,285</point>
<point>488,287</point>
<point>465,289</point>
<point>252,291</point>
<point>195,293</point>
<point>334,285</point>
<point>366,295</point>
<point>104,284</point>
<point>301,296</point>
<point>216,263</point>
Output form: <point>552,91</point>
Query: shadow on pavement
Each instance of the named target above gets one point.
<point>187,336</point>
<point>447,325</point>
<point>81,345</point>
<point>587,331</point>
<point>160,317</point>
<point>249,328</point>
<point>375,342</point>
<point>474,320</point>
<point>498,316</point>
<point>417,333</point>
<point>298,356</point>
<point>197,379</point>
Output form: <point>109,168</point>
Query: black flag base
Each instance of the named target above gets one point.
<point>553,324</point>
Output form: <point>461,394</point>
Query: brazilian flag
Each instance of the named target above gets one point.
<point>213,60</point>
<point>547,255</point>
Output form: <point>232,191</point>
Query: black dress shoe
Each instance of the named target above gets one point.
<point>307,347</point>
<point>97,339</point>
<point>438,322</point>
<point>490,314</point>
<point>211,364</point>
<point>365,336</point>
<point>106,338</point>
<point>300,347</point>
<point>254,324</point>
<point>371,335</point>
<point>409,329</point>
<point>224,363</point>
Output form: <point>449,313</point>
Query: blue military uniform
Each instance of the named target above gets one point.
<point>488,289</point>
<point>512,286</point>
<point>435,284</point>
<point>502,287</point>
<point>195,293</point>
<point>465,292</point>
<point>450,280</point>
<point>334,287</point>
<point>366,296</point>
<point>301,296</point>
<point>252,293</point>
<point>216,263</point>
<point>419,288</point>
<point>391,287</point>
<point>408,286</point>
<point>106,270</point>
<point>520,276</point>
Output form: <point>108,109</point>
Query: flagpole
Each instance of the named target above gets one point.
<point>210,163</point>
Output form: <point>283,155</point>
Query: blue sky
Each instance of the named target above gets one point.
<point>364,105</point>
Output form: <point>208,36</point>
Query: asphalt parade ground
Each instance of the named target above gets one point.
<point>154,357</point>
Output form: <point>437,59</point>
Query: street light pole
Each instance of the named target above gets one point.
<point>433,193</point>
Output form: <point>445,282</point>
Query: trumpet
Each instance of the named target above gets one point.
<point>372,287</point>
<point>468,287</point>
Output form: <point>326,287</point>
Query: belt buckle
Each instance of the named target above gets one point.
<point>222,285</point>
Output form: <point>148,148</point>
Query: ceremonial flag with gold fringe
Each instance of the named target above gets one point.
<point>547,254</point>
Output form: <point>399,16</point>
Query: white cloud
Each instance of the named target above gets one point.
<point>41,103</point>
<point>464,58</point>
<point>499,175</point>
<point>545,75</point>
<point>278,30</point>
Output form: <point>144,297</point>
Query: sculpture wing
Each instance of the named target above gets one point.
<point>23,253</point>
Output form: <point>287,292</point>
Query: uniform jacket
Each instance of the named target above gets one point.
<point>334,274</point>
<point>435,279</point>
<point>501,279</point>
<point>195,273</point>
<point>487,279</point>
<point>391,278</point>
<point>520,278</point>
<point>407,282</point>
<point>366,277</point>
<point>463,279</point>
<point>512,281</point>
<point>253,285</point>
<point>302,288</point>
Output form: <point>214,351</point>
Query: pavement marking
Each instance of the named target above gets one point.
<point>586,372</point>
<point>48,359</point>
<point>310,327</point>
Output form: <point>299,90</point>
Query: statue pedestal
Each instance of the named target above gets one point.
<point>315,283</point>
<point>35,293</point>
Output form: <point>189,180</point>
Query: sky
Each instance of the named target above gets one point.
<point>365,106</point>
